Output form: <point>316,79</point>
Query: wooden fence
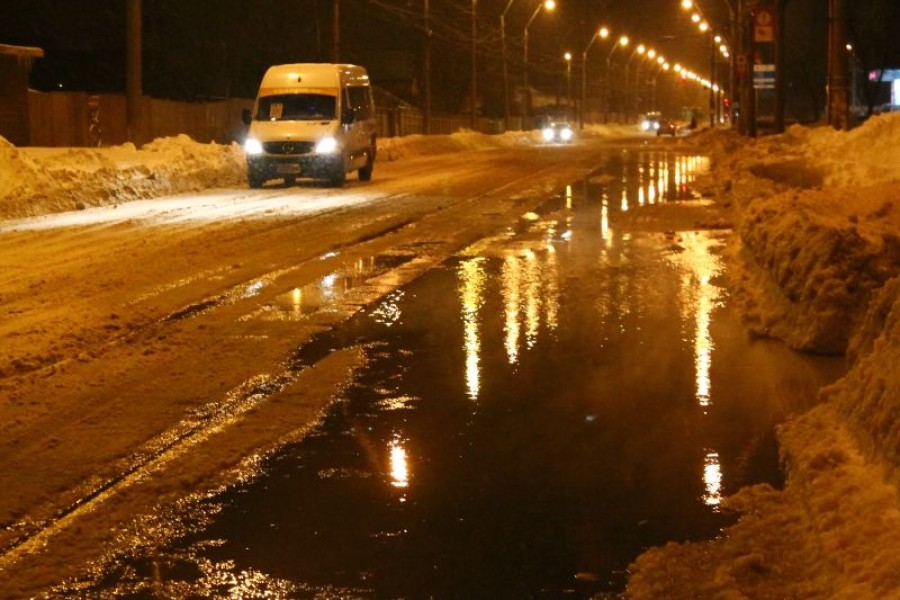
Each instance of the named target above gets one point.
<point>64,119</point>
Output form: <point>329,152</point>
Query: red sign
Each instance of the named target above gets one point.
<point>764,23</point>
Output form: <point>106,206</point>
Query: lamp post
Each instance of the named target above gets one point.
<point>549,5</point>
<point>651,54</point>
<point>639,50</point>
<point>568,58</point>
<point>602,33</point>
<point>664,66</point>
<point>622,41</point>
<point>474,99</point>
<point>505,66</point>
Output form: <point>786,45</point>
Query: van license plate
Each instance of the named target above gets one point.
<point>288,168</point>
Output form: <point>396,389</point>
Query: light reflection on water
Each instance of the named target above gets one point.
<point>531,418</point>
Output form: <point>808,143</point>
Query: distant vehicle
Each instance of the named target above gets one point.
<point>651,121</point>
<point>558,132</point>
<point>311,120</point>
<point>666,127</point>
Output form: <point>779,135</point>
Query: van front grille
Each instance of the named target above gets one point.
<point>288,147</point>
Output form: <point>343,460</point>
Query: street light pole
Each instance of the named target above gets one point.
<point>603,33</point>
<point>505,66</point>
<point>568,57</point>
<point>474,99</point>
<point>640,49</point>
<point>622,41</point>
<point>549,5</point>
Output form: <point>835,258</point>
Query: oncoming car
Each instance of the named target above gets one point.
<point>558,132</point>
<point>651,121</point>
<point>666,127</point>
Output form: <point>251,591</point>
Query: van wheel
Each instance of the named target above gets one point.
<point>365,173</point>
<point>255,179</point>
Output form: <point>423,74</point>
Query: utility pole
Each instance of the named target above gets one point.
<point>838,71</point>
<point>427,123</point>
<point>474,98</point>
<point>336,32</point>
<point>133,73</point>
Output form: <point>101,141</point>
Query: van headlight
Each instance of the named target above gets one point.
<point>253,146</point>
<point>565,134</point>
<point>548,134</point>
<point>327,145</point>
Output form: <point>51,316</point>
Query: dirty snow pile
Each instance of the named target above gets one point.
<point>818,263</point>
<point>36,181</point>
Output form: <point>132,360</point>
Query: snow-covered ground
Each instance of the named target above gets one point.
<point>816,263</point>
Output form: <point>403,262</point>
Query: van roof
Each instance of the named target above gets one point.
<point>315,75</point>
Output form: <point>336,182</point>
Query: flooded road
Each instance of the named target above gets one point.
<point>531,416</point>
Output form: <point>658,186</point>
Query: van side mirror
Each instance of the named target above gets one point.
<point>245,116</point>
<point>347,116</point>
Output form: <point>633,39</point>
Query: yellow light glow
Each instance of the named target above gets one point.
<point>511,277</point>
<point>550,4</point>
<point>704,26</point>
<point>696,18</point>
<point>641,49</point>
<point>471,290</point>
<point>687,4</point>
<point>623,41</point>
<point>712,479</point>
<point>399,465</point>
<point>567,56</point>
<point>604,32</point>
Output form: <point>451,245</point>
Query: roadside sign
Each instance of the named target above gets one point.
<point>764,23</point>
<point>764,77</point>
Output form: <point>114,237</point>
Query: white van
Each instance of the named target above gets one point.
<point>311,120</point>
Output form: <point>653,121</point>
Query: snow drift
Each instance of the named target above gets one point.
<point>817,263</point>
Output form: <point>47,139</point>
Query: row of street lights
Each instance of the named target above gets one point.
<point>601,33</point>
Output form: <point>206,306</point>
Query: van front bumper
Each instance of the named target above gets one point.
<point>275,167</point>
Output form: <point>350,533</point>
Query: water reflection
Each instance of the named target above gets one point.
<point>399,465</point>
<point>545,409</point>
<point>471,291</point>
<point>712,479</point>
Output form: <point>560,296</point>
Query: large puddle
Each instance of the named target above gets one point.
<point>532,417</point>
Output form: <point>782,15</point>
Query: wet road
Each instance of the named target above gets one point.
<point>531,415</point>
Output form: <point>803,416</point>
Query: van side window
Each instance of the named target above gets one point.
<point>360,102</point>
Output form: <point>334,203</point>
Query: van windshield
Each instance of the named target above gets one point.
<point>296,107</point>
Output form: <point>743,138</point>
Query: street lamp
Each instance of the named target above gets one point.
<point>622,41</point>
<point>505,66</point>
<point>568,57</point>
<point>601,33</point>
<point>640,50</point>
<point>651,55</point>
<point>549,5</point>
<point>663,66</point>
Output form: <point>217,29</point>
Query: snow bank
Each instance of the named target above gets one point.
<point>818,264</point>
<point>35,181</point>
<point>820,231</point>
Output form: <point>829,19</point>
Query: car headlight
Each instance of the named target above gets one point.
<point>548,134</point>
<point>645,125</point>
<point>327,145</point>
<point>656,125</point>
<point>565,134</point>
<point>253,146</point>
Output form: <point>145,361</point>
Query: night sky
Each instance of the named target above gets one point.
<point>220,48</point>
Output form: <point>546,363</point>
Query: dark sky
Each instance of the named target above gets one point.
<point>220,48</point>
